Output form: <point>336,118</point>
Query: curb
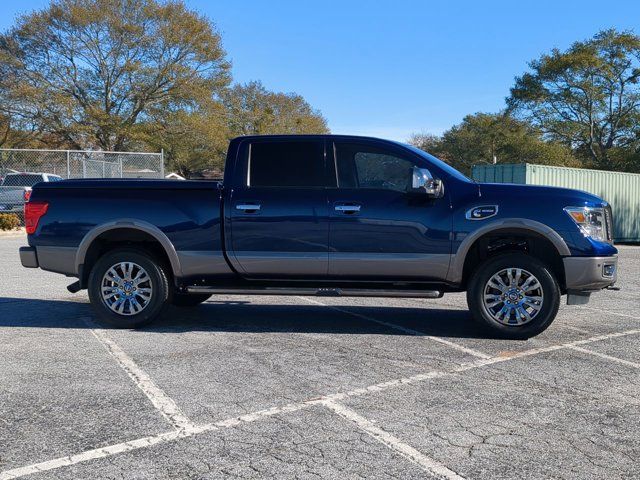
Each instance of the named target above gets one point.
<point>13,233</point>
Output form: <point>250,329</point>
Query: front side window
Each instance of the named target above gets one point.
<point>361,166</point>
<point>286,164</point>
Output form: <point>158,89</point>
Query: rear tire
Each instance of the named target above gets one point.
<point>128,288</point>
<point>189,299</point>
<point>497,302</point>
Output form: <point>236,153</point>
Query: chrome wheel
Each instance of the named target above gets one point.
<point>126,288</point>
<point>513,296</point>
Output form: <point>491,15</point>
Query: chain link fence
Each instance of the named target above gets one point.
<point>21,169</point>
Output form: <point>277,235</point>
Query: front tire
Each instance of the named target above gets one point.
<point>514,296</point>
<point>128,288</point>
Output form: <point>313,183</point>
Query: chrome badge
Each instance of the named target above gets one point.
<point>482,212</point>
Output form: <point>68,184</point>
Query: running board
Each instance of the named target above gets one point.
<point>319,292</point>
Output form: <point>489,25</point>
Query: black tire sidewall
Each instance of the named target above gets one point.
<point>159,283</point>
<point>542,272</point>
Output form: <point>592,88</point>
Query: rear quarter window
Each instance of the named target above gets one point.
<point>286,164</point>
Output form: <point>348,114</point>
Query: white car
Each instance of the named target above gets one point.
<point>15,189</point>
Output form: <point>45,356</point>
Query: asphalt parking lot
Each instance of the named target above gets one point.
<point>279,387</point>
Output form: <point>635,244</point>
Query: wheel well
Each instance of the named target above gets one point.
<point>513,240</point>
<point>119,238</point>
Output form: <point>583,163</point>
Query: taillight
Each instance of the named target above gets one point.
<point>32,213</point>
<point>27,195</point>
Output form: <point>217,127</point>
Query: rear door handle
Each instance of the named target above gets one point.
<point>248,207</point>
<point>348,208</point>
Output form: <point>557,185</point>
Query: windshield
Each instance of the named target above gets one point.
<point>439,163</point>
<point>21,180</point>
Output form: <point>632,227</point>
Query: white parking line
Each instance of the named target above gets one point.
<point>621,361</point>
<point>476,364</point>
<point>609,312</point>
<point>429,465</point>
<point>95,454</point>
<point>160,400</point>
<point>251,417</point>
<point>400,328</point>
<point>149,441</point>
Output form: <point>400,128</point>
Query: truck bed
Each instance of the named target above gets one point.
<point>183,215</point>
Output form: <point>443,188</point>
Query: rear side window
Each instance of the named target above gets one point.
<point>21,180</point>
<point>362,166</point>
<point>286,164</point>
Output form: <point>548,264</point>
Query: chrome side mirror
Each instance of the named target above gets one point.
<point>424,181</point>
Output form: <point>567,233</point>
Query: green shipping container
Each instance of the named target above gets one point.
<point>621,190</point>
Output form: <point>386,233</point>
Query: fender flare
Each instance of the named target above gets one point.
<point>132,224</point>
<point>458,259</point>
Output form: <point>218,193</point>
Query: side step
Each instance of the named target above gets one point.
<point>319,292</point>
<point>74,287</point>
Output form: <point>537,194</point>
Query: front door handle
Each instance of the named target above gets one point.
<point>248,207</point>
<point>348,208</point>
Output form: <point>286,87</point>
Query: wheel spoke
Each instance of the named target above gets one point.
<point>503,312</point>
<point>534,286</point>
<point>510,277</point>
<point>533,305</point>
<point>143,295</point>
<point>532,299</point>
<point>523,315</point>
<point>144,290</point>
<point>114,275</point>
<point>493,300</point>
<point>497,284</point>
<point>135,306</point>
<point>518,277</point>
<point>140,277</point>
<point>109,292</point>
<point>530,284</point>
<point>118,306</point>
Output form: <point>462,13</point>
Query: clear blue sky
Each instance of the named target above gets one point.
<point>389,68</point>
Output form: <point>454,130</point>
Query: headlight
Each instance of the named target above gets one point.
<point>590,220</point>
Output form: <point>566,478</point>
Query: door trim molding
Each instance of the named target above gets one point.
<point>432,266</point>
<point>294,263</point>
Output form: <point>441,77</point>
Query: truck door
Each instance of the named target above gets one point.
<point>279,223</point>
<point>380,229</point>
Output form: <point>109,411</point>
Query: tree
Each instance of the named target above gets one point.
<point>193,141</point>
<point>5,130</point>
<point>587,97</point>
<point>485,138</point>
<point>253,110</point>
<point>197,140</point>
<point>88,72</point>
<point>13,135</point>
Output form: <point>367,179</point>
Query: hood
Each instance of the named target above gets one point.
<point>533,192</point>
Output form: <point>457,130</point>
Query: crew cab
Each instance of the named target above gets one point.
<point>324,215</point>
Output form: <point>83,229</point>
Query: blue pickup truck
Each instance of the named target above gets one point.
<point>324,215</point>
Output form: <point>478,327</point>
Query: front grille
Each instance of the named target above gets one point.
<point>608,218</point>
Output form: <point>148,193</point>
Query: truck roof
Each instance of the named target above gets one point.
<point>316,136</point>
